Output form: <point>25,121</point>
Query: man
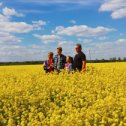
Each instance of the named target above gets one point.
<point>79,59</point>
<point>59,60</point>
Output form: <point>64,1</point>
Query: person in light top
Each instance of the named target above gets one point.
<point>49,63</point>
<point>68,65</point>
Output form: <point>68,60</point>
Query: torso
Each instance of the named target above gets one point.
<point>78,60</point>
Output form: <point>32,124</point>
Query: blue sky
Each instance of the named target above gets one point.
<point>30,29</point>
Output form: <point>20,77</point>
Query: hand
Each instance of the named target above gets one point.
<point>83,70</point>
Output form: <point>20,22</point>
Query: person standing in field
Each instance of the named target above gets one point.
<point>79,59</point>
<point>59,60</point>
<point>69,64</point>
<point>48,64</point>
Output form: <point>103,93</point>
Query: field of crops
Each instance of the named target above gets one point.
<point>29,97</point>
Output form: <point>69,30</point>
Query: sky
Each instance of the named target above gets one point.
<point>29,29</point>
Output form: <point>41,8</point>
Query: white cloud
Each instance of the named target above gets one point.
<point>121,42</point>
<point>120,13</point>
<point>103,38</point>
<point>1,4</point>
<point>109,49</point>
<point>47,38</point>
<point>24,53</point>
<point>38,24</point>
<point>82,30</point>
<point>7,38</point>
<point>73,22</point>
<point>11,12</point>
<point>3,18</point>
<point>16,27</point>
<point>111,5</point>
<point>20,27</point>
<point>6,25</point>
<point>68,47</point>
<point>85,41</point>
<point>10,49</point>
<point>117,7</point>
<point>104,45</point>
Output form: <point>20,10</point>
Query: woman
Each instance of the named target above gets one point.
<point>48,64</point>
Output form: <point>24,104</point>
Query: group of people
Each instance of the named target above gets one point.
<point>60,61</point>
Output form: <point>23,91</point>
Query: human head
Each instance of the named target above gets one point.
<point>78,48</point>
<point>50,55</point>
<point>59,50</point>
<point>69,59</point>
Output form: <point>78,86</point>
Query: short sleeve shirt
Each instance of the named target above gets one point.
<point>78,60</point>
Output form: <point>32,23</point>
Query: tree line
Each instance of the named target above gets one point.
<point>114,59</point>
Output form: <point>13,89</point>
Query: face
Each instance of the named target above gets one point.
<point>59,51</point>
<point>68,60</point>
<point>50,56</point>
<point>78,49</point>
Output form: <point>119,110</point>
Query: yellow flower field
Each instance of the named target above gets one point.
<point>29,97</point>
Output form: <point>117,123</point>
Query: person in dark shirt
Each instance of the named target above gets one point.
<point>59,60</point>
<point>79,59</point>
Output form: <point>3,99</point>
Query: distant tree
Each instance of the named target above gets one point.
<point>103,60</point>
<point>119,59</point>
<point>124,59</point>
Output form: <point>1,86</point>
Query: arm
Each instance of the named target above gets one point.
<point>70,67</point>
<point>83,62</point>
<point>55,62</point>
<point>45,65</point>
<point>64,61</point>
<point>83,66</point>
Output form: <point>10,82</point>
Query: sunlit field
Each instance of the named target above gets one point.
<point>30,97</point>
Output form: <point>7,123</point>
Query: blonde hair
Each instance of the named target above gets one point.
<point>50,54</point>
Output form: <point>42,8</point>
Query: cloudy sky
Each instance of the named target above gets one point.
<point>29,29</point>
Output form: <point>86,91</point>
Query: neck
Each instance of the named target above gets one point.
<point>79,52</point>
<point>49,59</point>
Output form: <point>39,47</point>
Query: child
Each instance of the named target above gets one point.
<point>48,64</point>
<point>68,64</point>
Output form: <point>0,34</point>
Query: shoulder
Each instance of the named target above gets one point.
<point>83,55</point>
<point>45,62</point>
<point>55,56</point>
<point>76,55</point>
<point>63,56</point>
<point>70,64</point>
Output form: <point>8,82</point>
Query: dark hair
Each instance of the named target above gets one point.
<point>71,59</point>
<point>60,48</point>
<point>79,45</point>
